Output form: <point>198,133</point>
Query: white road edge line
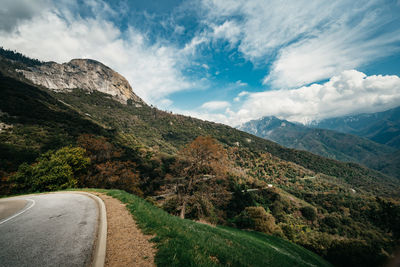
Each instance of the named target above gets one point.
<point>22,211</point>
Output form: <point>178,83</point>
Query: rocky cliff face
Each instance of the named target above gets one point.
<point>86,74</point>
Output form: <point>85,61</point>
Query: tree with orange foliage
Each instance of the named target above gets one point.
<point>202,167</point>
<point>118,174</point>
<point>97,147</point>
<point>107,170</point>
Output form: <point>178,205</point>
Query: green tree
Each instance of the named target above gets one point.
<point>258,219</point>
<point>309,213</point>
<point>52,171</point>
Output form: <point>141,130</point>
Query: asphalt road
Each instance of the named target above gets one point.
<point>48,230</point>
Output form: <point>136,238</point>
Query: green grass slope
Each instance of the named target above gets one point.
<point>187,243</point>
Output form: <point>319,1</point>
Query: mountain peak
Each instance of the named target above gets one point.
<point>87,74</point>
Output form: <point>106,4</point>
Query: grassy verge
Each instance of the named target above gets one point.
<point>187,243</point>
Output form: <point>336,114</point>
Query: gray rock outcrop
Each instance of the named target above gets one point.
<point>86,74</point>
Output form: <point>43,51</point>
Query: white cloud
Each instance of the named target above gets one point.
<point>215,105</point>
<point>179,29</point>
<point>229,30</point>
<point>207,116</point>
<point>240,96</point>
<point>191,47</point>
<point>331,52</point>
<point>243,93</point>
<point>306,41</point>
<point>351,92</point>
<point>153,69</point>
<point>205,66</point>
<point>240,83</point>
<point>164,103</point>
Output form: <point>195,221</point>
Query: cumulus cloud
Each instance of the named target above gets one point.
<point>350,92</point>
<point>153,69</point>
<point>215,105</point>
<point>306,41</point>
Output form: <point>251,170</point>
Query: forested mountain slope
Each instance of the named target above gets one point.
<point>381,127</point>
<point>327,143</point>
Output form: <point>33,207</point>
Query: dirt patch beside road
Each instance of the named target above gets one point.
<point>126,244</point>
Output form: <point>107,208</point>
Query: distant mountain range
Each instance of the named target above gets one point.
<point>369,139</point>
<point>381,127</point>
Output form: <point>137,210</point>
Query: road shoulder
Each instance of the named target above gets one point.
<point>126,244</point>
<point>99,250</point>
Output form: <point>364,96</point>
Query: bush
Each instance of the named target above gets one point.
<point>52,171</point>
<point>331,221</point>
<point>115,174</point>
<point>355,253</point>
<point>258,219</point>
<point>309,213</point>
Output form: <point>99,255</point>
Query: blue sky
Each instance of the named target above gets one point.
<point>223,60</point>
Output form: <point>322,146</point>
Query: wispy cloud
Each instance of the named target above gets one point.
<point>240,83</point>
<point>306,41</point>
<point>215,105</point>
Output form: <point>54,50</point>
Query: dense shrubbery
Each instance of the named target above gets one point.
<point>308,213</point>
<point>52,171</point>
<point>258,219</point>
<point>94,163</point>
<point>108,169</point>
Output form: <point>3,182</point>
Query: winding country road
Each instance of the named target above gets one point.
<point>48,230</point>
